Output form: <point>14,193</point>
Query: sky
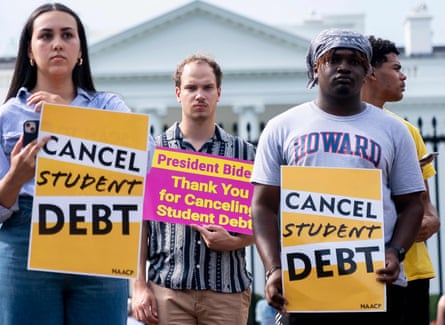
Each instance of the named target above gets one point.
<point>383,18</point>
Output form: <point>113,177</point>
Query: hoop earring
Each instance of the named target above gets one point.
<point>80,62</point>
<point>31,62</point>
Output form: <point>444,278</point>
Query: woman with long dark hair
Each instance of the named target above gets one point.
<point>52,66</point>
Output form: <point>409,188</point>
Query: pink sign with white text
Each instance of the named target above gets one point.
<point>195,188</point>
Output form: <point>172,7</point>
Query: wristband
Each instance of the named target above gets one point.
<point>400,250</point>
<point>272,269</point>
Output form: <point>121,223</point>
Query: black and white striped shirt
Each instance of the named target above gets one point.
<point>178,257</point>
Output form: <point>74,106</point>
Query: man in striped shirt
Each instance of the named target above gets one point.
<point>196,274</point>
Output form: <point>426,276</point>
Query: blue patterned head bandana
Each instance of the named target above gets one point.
<point>335,38</point>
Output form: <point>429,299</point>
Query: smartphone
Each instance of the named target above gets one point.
<point>428,157</point>
<point>30,131</point>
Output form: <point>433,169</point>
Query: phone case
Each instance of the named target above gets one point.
<point>30,131</point>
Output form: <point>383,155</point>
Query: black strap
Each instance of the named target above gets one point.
<point>222,149</point>
<point>164,140</point>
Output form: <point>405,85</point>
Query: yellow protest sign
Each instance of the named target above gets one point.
<point>332,239</point>
<point>88,202</point>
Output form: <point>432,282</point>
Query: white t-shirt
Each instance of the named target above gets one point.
<point>305,135</point>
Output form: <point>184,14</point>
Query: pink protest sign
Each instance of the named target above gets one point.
<point>195,188</point>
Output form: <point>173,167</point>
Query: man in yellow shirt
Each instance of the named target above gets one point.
<point>386,83</point>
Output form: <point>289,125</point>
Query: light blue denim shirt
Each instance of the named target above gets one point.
<point>15,111</point>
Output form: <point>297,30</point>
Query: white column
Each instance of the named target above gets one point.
<point>418,35</point>
<point>156,114</point>
<point>248,121</point>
